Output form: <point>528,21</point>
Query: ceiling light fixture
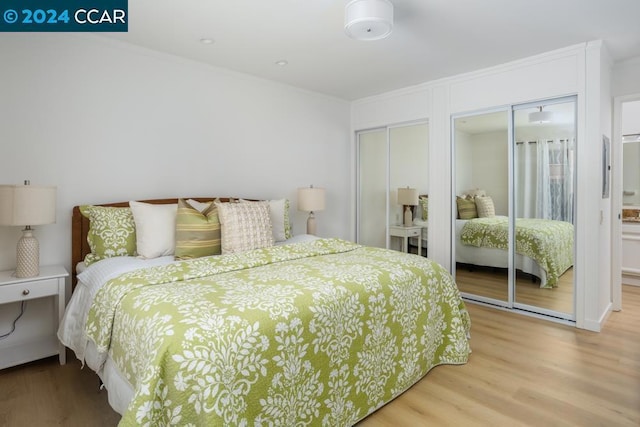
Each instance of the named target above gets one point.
<point>282,62</point>
<point>368,19</point>
<point>541,116</point>
<point>206,41</point>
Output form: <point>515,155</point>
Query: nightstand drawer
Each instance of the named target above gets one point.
<point>413,233</point>
<point>28,290</point>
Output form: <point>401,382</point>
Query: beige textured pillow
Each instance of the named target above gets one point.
<point>245,226</point>
<point>485,207</point>
<point>279,213</point>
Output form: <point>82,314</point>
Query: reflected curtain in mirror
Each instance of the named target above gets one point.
<point>545,178</point>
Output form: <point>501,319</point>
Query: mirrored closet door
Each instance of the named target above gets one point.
<point>482,182</point>
<point>514,204</point>
<point>372,187</point>
<point>544,159</point>
<point>392,165</point>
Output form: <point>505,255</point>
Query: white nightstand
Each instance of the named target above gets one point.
<point>50,283</point>
<point>405,232</point>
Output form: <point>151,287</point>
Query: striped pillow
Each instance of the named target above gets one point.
<point>197,233</point>
<point>466,208</point>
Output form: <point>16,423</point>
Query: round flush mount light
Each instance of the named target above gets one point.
<point>368,19</point>
<point>206,41</point>
<point>282,62</point>
<point>541,116</point>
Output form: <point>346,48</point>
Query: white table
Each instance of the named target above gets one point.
<point>50,283</point>
<point>405,232</point>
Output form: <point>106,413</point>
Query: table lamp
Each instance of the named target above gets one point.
<point>27,205</point>
<point>311,199</point>
<point>408,197</point>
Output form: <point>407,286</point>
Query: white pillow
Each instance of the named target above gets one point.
<point>200,206</point>
<point>155,228</point>
<point>244,226</point>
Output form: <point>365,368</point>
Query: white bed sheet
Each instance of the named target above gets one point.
<point>490,257</point>
<point>71,330</point>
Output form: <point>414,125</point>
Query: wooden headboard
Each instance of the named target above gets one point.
<point>80,229</point>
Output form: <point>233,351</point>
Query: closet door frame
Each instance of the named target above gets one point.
<point>561,316</point>
<point>359,181</point>
<point>511,304</point>
<point>454,208</point>
<point>387,129</point>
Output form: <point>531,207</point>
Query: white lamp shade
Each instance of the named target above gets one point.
<point>311,199</point>
<point>22,205</point>
<point>408,196</point>
<point>368,19</point>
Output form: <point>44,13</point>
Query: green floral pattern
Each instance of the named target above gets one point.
<point>548,242</point>
<point>112,232</point>
<point>316,333</point>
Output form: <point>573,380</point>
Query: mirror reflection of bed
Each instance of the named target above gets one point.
<point>541,191</point>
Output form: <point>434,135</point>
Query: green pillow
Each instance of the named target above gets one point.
<point>466,208</point>
<point>112,232</point>
<point>287,223</point>
<point>424,205</point>
<point>197,233</point>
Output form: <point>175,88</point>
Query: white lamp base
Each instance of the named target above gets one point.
<point>408,216</point>
<point>311,224</point>
<point>27,255</point>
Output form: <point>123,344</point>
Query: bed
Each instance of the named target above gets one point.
<point>306,332</point>
<point>544,248</point>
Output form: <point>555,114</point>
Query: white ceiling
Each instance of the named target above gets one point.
<point>431,38</point>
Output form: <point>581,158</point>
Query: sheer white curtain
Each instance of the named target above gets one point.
<point>545,179</point>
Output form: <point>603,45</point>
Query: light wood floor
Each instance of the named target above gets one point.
<point>493,283</point>
<point>522,372</point>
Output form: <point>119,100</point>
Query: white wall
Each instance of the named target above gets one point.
<point>490,167</point>
<point>631,118</point>
<point>604,295</point>
<point>105,122</point>
<point>624,77</point>
<point>408,164</point>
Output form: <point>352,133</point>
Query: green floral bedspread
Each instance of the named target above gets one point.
<point>318,333</point>
<point>548,242</point>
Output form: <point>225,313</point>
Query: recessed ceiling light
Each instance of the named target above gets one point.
<point>282,62</point>
<point>206,41</point>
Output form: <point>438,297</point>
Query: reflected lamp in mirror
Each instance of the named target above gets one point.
<point>541,116</point>
<point>407,197</point>
<point>25,206</point>
<point>311,199</point>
